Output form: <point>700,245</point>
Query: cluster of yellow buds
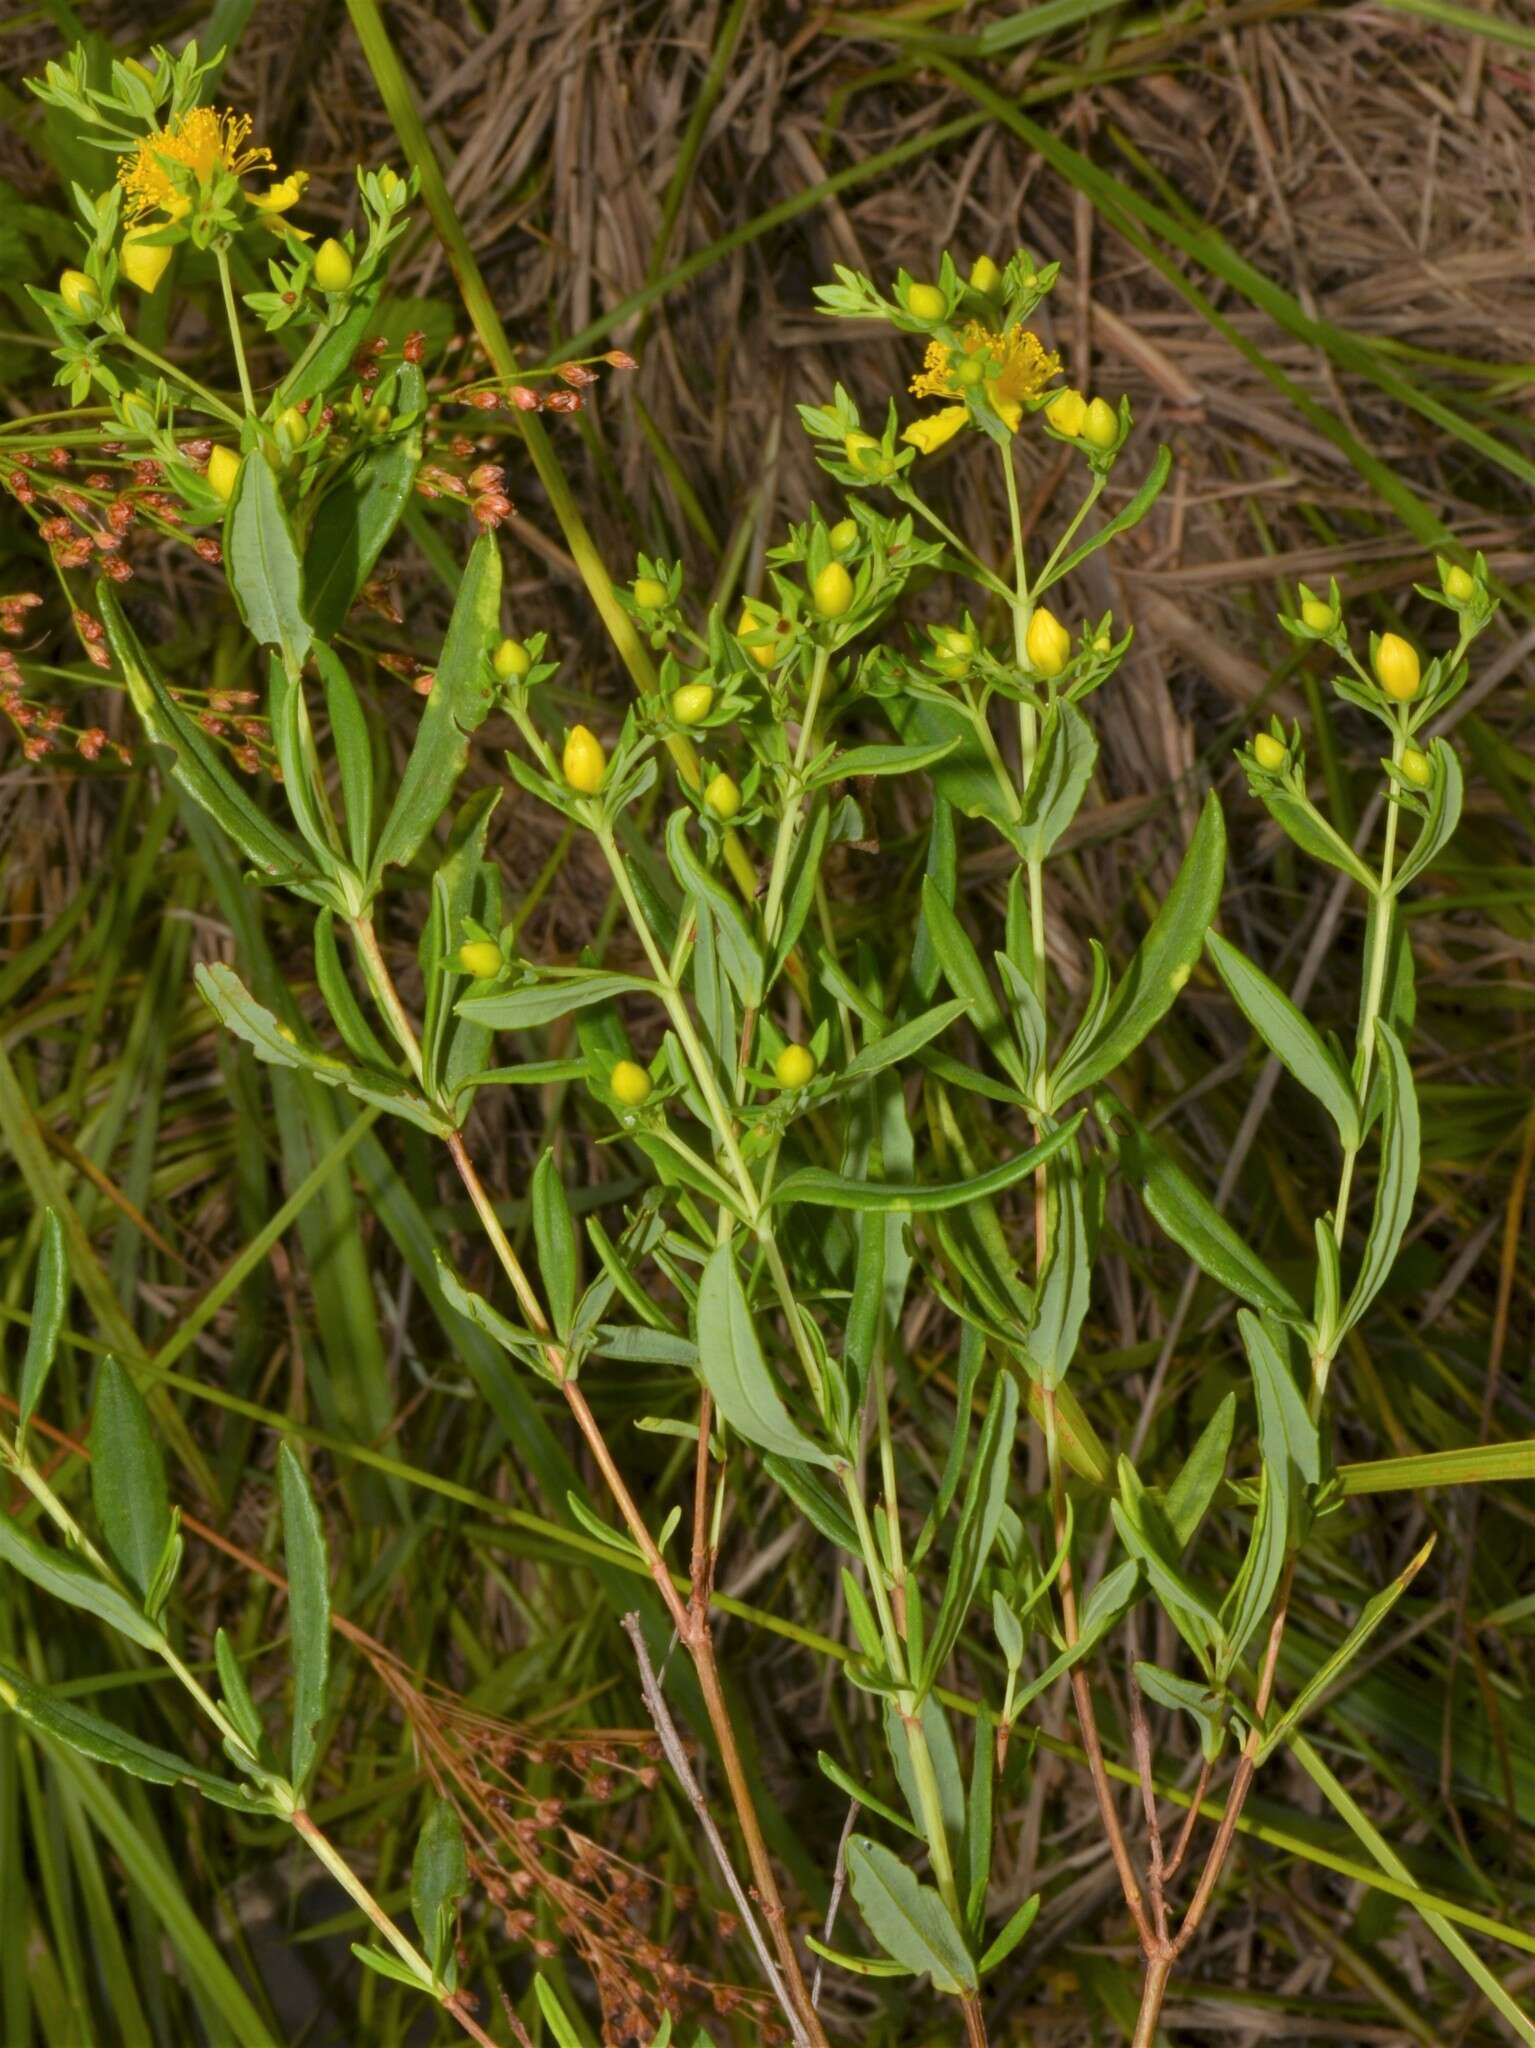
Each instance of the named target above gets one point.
<point>1091,420</point>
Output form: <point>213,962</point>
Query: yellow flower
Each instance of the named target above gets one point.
<point>1100,425</point>
<point>1014,366</point>
<point>938,427</point>
<point>201,141</point>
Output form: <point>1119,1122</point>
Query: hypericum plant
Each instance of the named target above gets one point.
<point>775,1085</point>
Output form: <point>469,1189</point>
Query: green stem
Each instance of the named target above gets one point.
<point>1047,575</point>
<point>232,314</point>
<point>354,1887</point>
<point>210,400</point>
<point>789,819</point>
<point>385,994</point>
<point>682,1024</point>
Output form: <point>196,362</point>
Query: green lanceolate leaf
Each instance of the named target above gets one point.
<point>1010,1934</point>
<point>1105,1604</point>
<point>308,1612</point>
<point>968,979</point>
<point>1370,1619</point>
<point>826,1190</point>
<point>128,1478</point>
<point>238,1010</point>
<point>1144,1530</point>
<point>554,1233</point>
<point>1186,1695</point>
<point>359,512</point>
<point>50,1294</point>
<point>738,948</point>
<point>265,572</point>
<point>196,764</point>
<point>980,1516</point>
<point>439,1877</point>
<point>1302,822</point>
<point>846,1782</point>
<point>1131,515</point>
<point>1400,1145</point>
<point>732,1367</point>
<point>1061,1293</point>
<point>908,1919</point>
<point>1162,963</point>
<point>1291,1037</point>
<point>898,1045</point>
<point>1189,1497</point>
<point>1193,1222</point>
<point>62,1721</point>
<point>236,1694</point>
<point>1287,1436</point>
<point>1444,804</point>
<point>462,694</point>
<point>353,744</point>
<point>61,1577</point>
<point>885,760</point>
<point>1063,767</point>
<point>1245,1605</point>
<point>524,1009</point>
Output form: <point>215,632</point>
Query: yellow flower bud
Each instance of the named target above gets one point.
<point>1396,663</point>
<point>1459,583</point>
<point>292,425</point>
<point>1066,412</point>
<point>480,957</point>
<point>1100,428</point>
<point>953,650</point>
<point>583,762</point>
<point>1318,614</point>
<point>864,454</point>
<point>1269,753</point>
<point>511,661</point>
<point>762,642</point>
<point>1047,643</point>
<point>985,276</point>
<point>691,702</point>
<point>926,302</point>
<point>723,796</point>
<point>1417,767</point>
<point>832,591</point>
<point>630,1083</point>
<point>332,266</point>
<point>843,535</point>
<point>794,1066</point>
<point>79,294</point>
<point>938,427</point>
<point>223,472</point>
<point>648,592</point>
<point>143,266</point>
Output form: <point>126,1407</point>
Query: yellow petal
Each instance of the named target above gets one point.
<point>937,428</point>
